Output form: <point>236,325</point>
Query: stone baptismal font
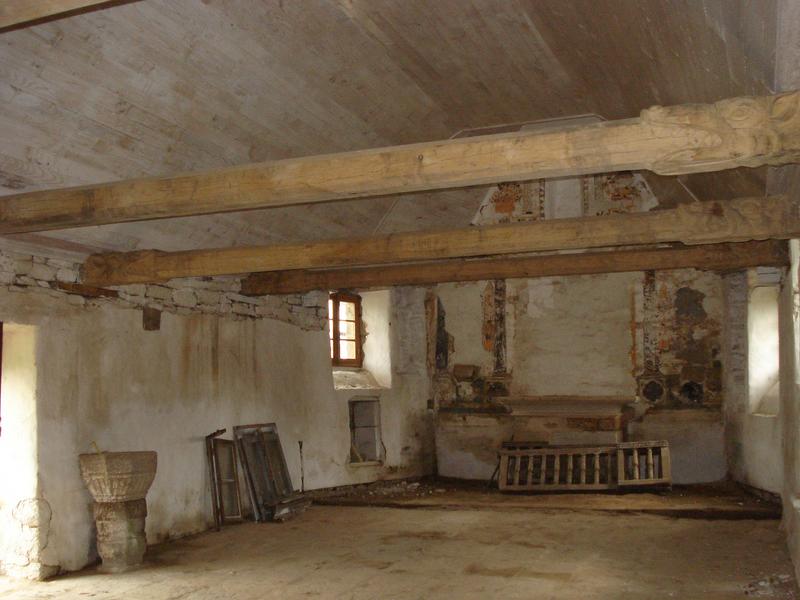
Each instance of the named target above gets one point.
<point>118,482</point>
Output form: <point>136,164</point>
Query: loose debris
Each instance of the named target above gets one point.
<point>773,586</point>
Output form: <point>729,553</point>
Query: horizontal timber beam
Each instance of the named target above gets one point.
<point>18,12</point>
<point>710,257</point>
<point>666,140</point>
<point>743,219</point>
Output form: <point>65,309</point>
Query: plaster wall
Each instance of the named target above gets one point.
<point>102,378</point>
<point>406,423</point>
<point>376,308</point>
<point>788,418</point>
<point>466,444</point>
<point>24,517</point>
<point>786,180</point>
<point>573,335</point>
<point>464,315</point>
<point>573,341</point>
<point>763,341</point>
<point>753,439</point>
<point>696,441</point>
<point>569,342</point>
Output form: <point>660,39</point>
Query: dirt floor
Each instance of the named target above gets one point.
<point>363,552</point>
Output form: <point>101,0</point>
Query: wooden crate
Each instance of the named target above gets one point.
<point>643,463</point>
<point>558,468</point>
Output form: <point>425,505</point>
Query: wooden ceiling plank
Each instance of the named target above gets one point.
<point>18,12</point>
<point>682,139</point>
<point>743,219</point>
<point>711,257</point>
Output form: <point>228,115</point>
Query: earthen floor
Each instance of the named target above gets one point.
<point>379,552</point>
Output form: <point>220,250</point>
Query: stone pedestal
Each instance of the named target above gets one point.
<point>120,534</point>
<point>118,482</point>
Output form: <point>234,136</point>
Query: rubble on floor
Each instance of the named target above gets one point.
<point>722,500</point>
<point>774,586</point>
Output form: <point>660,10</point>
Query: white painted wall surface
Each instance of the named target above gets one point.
<point>582,336</point>
<point>377,318</point>
<point>763,350</point>
<point>696,441</point>
<point>565,335</point>
<point>572,335</point>
<point>753,441</point>
<point>787,180</point>
<point>102,378</point>
<point>22,532</point>
<point>463,308</point>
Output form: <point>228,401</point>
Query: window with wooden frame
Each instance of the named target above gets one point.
<point>344,326</point>
<point>365,431</point>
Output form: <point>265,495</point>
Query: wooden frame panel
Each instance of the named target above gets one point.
<point>334,321</point>
<point>584,468</point>
<point>558,469</point>
<point>226,513</point>
<point>266,473</point>
<point>354,427</point>
<point>644,463</point>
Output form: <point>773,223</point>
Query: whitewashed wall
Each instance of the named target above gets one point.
<point>102,378</point>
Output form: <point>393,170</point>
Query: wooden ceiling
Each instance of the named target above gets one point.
<point>159,87</point>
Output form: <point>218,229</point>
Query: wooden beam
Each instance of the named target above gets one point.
<point>744,219</point>
<point>680,139</point>
<point>18,12</point>
<point>711,257</point>
<point>85,290</point>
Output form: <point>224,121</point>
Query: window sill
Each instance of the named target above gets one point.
<point>368,463</point>
<point>354,379</point>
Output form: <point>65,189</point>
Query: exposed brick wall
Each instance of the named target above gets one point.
<point>217,296</point>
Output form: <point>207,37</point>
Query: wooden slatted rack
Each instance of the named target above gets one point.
<point>562,468</point>
<point>644,463</point>
<point>576,468</point>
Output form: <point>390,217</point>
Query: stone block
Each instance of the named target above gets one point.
<point>67,275</point>
<point>159,292</point>
<point>233,297</point>
<point>25,280</point>
<point>185,298</point>
<point>239,308</point>
<point>208,297</point>
<point>135,289</point>
<point>42,272</point>
<point>23,266</point>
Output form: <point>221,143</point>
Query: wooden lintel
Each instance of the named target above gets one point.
<point>743,219</point>
<point>87,291</point>
<point>711,257</point>
<point>14,13</point>
<point>666,140</point>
